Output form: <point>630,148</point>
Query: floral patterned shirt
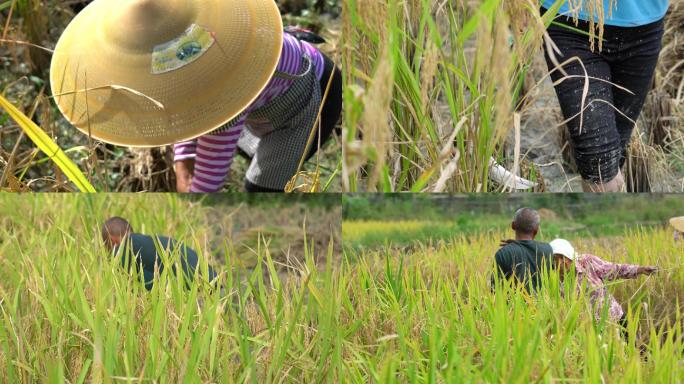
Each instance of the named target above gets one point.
<point>596,272</point>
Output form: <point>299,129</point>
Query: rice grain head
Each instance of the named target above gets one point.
<point>595,11</point>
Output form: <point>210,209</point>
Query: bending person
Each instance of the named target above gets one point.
<point>142,251</point>
<point>273,130</point>
<point>209,77</point>
<point>595,273</point>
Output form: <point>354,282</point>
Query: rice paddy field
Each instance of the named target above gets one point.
<point>69,313</point>
<point>436,91</point>
<point>320,312</point>
<point>437,318</point>
<point>404,220</point>
<point>29,30</point>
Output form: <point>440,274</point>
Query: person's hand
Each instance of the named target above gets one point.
<point>504,243</point>
<point>647,270</point>
<point>184,171</point>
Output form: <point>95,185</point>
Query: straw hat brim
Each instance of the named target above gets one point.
<point>105,73</point>
<point>678,223</point>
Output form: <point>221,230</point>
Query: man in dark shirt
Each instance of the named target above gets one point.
<point>142,251</point>
<point>523,258</point>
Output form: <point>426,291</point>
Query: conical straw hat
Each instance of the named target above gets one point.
<point>678,223</point>
<point>148,73</point>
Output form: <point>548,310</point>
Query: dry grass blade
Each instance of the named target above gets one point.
<point>516,147</point>
<point>449,151</point>
<point>20,42</point>
<point>116,88</point>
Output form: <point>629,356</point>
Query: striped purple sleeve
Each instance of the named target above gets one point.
<point>316,58</point>
<point>184,150</point>
<point>214,157</point>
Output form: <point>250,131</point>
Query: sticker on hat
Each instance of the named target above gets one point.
<point>183,50</point>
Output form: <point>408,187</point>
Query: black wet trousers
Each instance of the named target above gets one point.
<point>332,109</point>
<point>601,127</point>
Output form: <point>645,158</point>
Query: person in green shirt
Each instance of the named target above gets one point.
<point>142,251</point>
<point>523,258</point>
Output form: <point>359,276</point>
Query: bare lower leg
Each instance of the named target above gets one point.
<point>617,184</point>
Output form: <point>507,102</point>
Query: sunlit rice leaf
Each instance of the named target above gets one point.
<point>49,147</point>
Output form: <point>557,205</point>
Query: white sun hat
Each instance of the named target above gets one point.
<point>563,247</point>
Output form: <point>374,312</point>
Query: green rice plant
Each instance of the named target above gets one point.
<point>432,89</point>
